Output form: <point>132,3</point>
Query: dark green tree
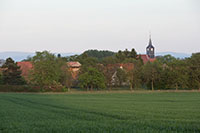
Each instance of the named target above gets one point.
<point>47,69</point>
<point>1,79</point>
<point>109,60</point>
<point>92,79</point>
<point>121,75</point>
<point>126,54</point>
<point>99,54</point>
<point>11,74</point>
<point>178,74</point>
<point>151,74</point>
<point>133,54</point>
<point>167,59</point>
<point>66,78</point>
<point>194,71</point>
<point>134,76</point>
<point>174,74</point>
<point>120,56</point>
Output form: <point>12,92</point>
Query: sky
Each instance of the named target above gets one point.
<point>73,26</point>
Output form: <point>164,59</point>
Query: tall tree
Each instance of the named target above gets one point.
<point>121,75</point>
<point>99,54</point>
<point>92,79</point>
<point>151,73</point>
<point>174,73</point>
<point>178,74</point>
<point>11,74</point>
<point>46,71</point>
<point>133,54</point>
<point>134,76</point>
<point>66,78</point>
<point>1,79</point>
<point>194,70</point>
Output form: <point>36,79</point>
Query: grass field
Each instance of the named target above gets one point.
<point>100,112</point>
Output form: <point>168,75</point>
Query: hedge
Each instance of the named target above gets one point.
<point>19,88</point>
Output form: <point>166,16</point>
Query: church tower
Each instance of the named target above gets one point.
<point>150,50</point>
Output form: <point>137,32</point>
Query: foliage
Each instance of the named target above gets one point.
<point>19,88</point>
<point>11,73</point>
<point>92,79</point>
<point>151,74</point>
<point>66,78</point>
<point>174,73</point>
<point>122,55</point>
<point>99,54</point>
<point>194,71</point>
<point>134,76</point>
<point>121,76</point>
<point>178,74</point>
<point>166,59</point>
<point>108,74</point>
<point>1,79</point>
<point>47,69</point>
<point>109,60</point>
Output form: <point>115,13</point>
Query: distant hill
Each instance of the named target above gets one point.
<point>18,56</point>
<point>176,55</point>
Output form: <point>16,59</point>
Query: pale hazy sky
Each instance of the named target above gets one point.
<point>78,25</point>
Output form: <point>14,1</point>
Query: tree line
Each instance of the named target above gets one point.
<point>51,72</point>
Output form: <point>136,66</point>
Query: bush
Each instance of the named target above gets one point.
<point>19,88</point>
<point>31,88</point>
<point>55,87</point>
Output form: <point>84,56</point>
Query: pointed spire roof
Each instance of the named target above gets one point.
<point>150,42</point>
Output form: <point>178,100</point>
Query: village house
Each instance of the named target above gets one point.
<point>25,67</point>
<point>74,67</point>
<point>148,57</point>
<point>124,66</point>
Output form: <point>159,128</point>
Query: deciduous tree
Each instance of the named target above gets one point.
<point>92,79</point>
<point>46,71</point>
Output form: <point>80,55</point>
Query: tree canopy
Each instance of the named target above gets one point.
<point>92,79</point>
<point>11,74</point>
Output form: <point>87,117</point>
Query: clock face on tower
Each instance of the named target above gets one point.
<point>151,49</point>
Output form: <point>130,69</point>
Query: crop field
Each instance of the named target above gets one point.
<point>100,112</point>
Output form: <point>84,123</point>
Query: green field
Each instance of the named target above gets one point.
<point>100,112</point>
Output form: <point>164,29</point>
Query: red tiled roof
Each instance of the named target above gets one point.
<point>25,67</point>
<point>73,64</point>
<point>146,58</point>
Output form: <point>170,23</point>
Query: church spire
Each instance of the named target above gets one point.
<point>150,50</point>
<point>150,42</point>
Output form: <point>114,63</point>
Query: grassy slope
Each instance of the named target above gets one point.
<point>126,112</point>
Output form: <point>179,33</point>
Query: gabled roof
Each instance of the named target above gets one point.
<point>73,64</point>
<point>25,67</point>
